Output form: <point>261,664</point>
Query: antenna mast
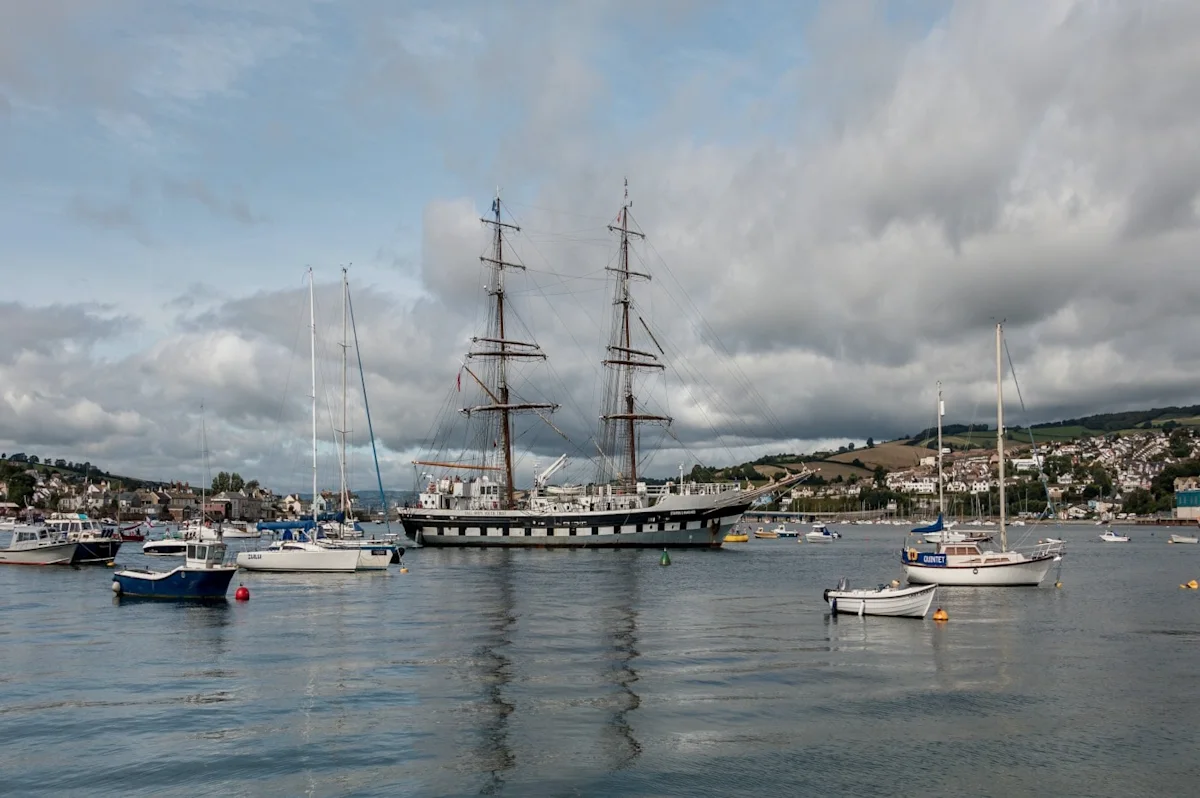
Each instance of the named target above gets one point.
<point>622,436</point>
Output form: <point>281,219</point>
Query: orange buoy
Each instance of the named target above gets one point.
<point>242,593</point>
<point>403,570</point>
<point>1193,584</point>
<point>940,615</point>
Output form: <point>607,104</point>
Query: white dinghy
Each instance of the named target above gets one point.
<point>893,600</point>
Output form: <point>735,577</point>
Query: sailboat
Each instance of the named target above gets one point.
<point>302,553</point>
<point>345,533</point>
<point>617,509</point>
<point>965,563</point>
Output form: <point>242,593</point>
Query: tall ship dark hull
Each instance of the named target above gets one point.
<point>649,527</point>
<point>481,506</point>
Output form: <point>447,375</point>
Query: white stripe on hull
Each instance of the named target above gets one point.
<point>1027,573</point>
<point>667,534</point>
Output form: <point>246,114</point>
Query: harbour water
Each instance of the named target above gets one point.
<point>604,673</point>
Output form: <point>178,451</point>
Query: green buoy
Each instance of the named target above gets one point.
<point>665,559</point>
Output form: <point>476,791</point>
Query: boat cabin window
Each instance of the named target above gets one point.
<point>42,534</point>
<point>963,550</point>
<point>25,536</point>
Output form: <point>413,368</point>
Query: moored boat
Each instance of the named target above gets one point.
<point>966,564</point>
<point>1177,538</point>
<point>616,508</point>
<point>96,545</point>
<point>821,534</point>
<point>298,554</point>
<point>783,532</point>
<point>737,536</point>
<point>890,600</point>
<point>1112,537</point>
<point>764,534</point>
<point>203,575</point>
<point>37,546</point>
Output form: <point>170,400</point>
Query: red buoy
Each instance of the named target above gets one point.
<point>242,593</point>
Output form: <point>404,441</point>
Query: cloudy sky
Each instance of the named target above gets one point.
<point>840,201</point>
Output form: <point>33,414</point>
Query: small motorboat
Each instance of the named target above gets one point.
<point>821,534</point>
<point>736,536</point>
<point>761,533</point>
<point>783,532</point>
<point>203,575</point>
<point>1112,537</point>
<point>893,600</point>
<point>1183,539</point>
<point>38,546</point>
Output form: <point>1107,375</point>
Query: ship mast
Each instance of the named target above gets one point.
<point>497,347</point>
<point>621,423</point>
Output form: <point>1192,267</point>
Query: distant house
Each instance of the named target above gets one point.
<point>240,507</point>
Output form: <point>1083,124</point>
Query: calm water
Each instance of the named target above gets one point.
<point>602,673</point>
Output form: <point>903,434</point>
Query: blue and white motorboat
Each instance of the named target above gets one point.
<point>203,575</point>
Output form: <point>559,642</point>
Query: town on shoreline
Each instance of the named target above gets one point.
<point>1068,472</point>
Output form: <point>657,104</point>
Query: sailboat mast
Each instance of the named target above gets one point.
<point>345,425</point>
<point>502,365</point>
<point>1000,431</point>
<point>627,369</point>
<point>941,411</point>
<point>626,358</point>
<point>312,329</point>
<point>497,345</point>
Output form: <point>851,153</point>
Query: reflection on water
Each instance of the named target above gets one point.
<point>602,673</point>
<point>495,754</point>
<point>620,625</point>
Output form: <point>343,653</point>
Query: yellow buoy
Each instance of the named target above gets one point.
<point>1193,584</point>
<point>403,570</point>
<point>1058,584</point>
<point>940,615</point>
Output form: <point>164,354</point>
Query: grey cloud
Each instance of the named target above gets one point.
<point>199,191</point>
<point>1026,161</point>
<point>113,216</point>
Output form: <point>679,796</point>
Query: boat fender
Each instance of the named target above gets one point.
<point>912,555</point>
<point>833,605</point>
<point>116,587</point>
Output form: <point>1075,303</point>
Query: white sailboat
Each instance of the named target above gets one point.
<point>966,563</point>
<point>304,555</point>
<point>373,555</point>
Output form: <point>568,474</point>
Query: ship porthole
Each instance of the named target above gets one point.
<point>974,570</point>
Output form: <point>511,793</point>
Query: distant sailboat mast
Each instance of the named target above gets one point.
<point>1000,430</point>
<point>622,419</point>
<point>345,423</point>
<point>941,411</point>
<point>312,329</point>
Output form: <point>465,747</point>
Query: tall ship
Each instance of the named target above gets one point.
<point>473,501</point>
